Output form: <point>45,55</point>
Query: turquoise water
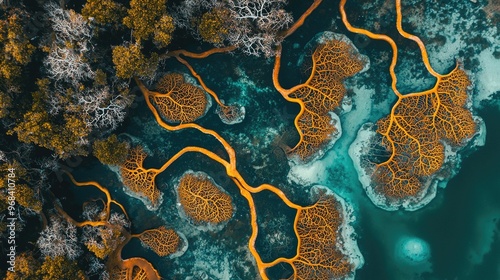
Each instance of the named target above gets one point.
<point>456,236</point>
<point>461,225</point>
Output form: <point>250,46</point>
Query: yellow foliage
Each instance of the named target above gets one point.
<point>25,196</point>
<point>129,61</point>
<point>143,16</point>
<point>213,27</point>
<point>5,104</point>
<point>103,11</point>
<point>163,31</point>
<point>26,267</point>
<point>110,150</point>
<point>39,128</point>
<point>110,239</point>
<point>18,45</point>
<point>60,268</point>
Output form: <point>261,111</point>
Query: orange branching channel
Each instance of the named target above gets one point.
<point>204,54</point>
<point>138,179</point>
<point>147,93</point>
<point>116,237</point>
<point>229,114</point>
<point>332,62</point>
<point>301,20</point>
<point>317,227</point>
<point>418,124</point>
<point>311,251</point>
<point>107,206</point>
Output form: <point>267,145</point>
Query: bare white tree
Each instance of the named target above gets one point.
<point>184,13</point>
<point>91,211</point>
<point>69,26</point>
<point>254,27</point>
<point>67,64</point>
<point>96,267</point>
<point>66,60</point>
<point>59,239</point>
<point>104,110</point>
<point>258,24</point>
<point>119,219</point>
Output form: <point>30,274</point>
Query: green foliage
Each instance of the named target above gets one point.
<point>64,136</point>
<point>104,11</point>
<point>163,31</point>
<point>60,268</point>
<point>213,25</point>
<point>111,150</point>
<point>130,61</point>
<point>143,16</point>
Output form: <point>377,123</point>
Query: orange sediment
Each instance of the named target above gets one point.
<point>161,240</point>
<point>139,179</point>
<point>414,131</point>
<point>129,269</point>
<point>316,227</point>
<point>177,100</point>
<point>227,113</point>
<point>332,62</point>
<point>204,54</point>
<point>202,200</point>
<point>107,206</point>
<point>423,50</point>
<point>147,93</point>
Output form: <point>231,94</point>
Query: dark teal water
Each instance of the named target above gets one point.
<point>460,226</point>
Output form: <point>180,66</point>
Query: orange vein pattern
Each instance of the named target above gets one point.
<point>161,240</point>
<point>310,251</point>
<point>332,62</point>
<point>177,100</point>
<point>228,113</point>
<point>138,179</point>
<point>317,227</point>
<point>129,269</point>
<point>202,200</point>
<point>418,124</point>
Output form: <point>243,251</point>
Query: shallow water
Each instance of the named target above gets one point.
<point>460,227</point>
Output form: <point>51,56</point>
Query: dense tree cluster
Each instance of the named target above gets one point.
<point>28,267</point>
<point>15,46</point>
<point>130,61</point>
<point>111,150</point>
<point>253,26</point>
<point>65,73</point>
<point>104,11</point>
<point>59,239</point>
